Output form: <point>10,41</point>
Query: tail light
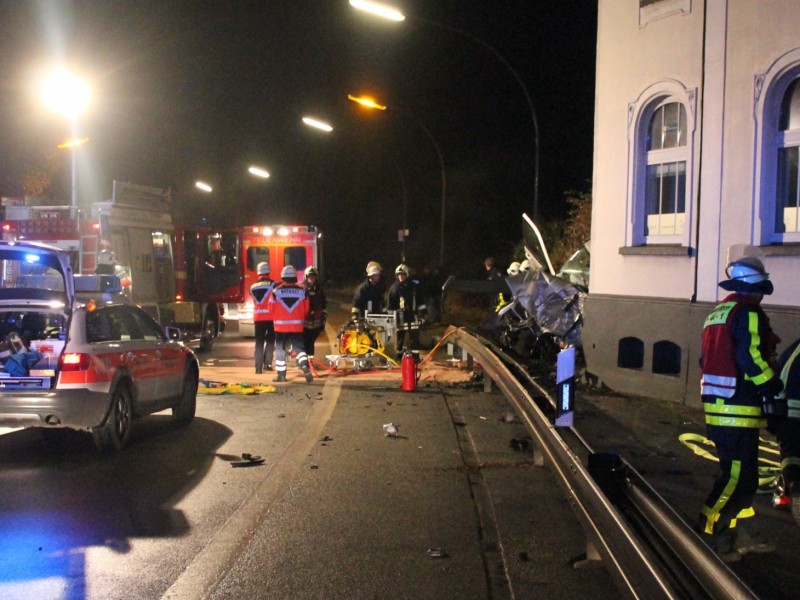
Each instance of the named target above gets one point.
<point>74,361</point>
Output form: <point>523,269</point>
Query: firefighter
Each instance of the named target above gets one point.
<point>788,429</point>
<point>404,297</point>
<point>318,311</point>
<point>262,318</point>
<point>106,261</point>
<point>369,295</point>
<point>288,305</point>
<point>505,296</point>
<point>738,387</point>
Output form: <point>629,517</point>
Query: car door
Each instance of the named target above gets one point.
<point>142,356</point>
<point>171,356</point>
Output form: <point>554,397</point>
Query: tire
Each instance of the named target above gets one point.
<point>210,330</point>
<point>114,434</point>
<point>183,412</point>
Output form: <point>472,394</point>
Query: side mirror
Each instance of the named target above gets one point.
<point>173,333</point>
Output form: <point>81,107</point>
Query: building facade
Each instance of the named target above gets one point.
<point>697,135</point>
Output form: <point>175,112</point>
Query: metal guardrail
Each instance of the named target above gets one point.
<point>675,565</point>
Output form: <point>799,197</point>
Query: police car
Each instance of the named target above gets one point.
<point>88,364</point>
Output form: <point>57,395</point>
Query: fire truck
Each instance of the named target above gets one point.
<point>243,248</point>
<point>162,267</point>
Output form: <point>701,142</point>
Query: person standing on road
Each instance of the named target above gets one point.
<point>368,297</point>
<point>288,304</point>
<point>739,387</point>
<point>318,311</point>
<point>492,272</point>
<point>788,430</point>
<point>404,297</point>
<point>262,318</point>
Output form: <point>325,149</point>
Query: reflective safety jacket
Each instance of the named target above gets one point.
<point>789,365</point>
<point>260,292</point>
<point>288,304</point>
<point>737,347</point>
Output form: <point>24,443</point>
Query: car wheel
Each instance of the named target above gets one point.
<point>210,331</point>
<point>116,431</point>
<point>183,411</point>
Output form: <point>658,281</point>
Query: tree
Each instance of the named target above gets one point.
<point>567,237</point>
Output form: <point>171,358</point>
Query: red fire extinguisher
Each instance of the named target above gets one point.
<point>408,367</point>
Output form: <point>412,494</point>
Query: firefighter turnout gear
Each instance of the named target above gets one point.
<point>262,320</point>
<point>788,429</point>
<point>288,304</point>
<point>318,311</point>
<point>405,299</point>
<point>737,381</point>
<point>368,297</point>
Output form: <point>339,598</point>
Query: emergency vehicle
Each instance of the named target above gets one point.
<point>163,268</point>
<point>277,245</point>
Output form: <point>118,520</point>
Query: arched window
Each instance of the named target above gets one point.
<point>787,214</point>
<point>665,179</point>
<point>660,165</point>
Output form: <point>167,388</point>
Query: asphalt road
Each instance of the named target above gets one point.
<point>337,510</point>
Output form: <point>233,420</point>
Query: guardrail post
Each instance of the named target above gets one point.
<point>593,559</point>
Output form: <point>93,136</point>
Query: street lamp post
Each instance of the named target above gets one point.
<point>67,95</point>
<point>392,14</point>
<point>328,128</point>
<point>371,104</point>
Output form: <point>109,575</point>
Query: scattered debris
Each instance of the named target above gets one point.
<point>510,417</point>
<point>391,429</point>
<point>314,467</point>
<point>437,553</point>
<point>326,438</point>
<point>248,460</point>
<point>524,556</point>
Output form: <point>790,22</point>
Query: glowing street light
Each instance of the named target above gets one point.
<point>67,95</point>
<point>202,185</point>
<point>381,10</point>
<point>72,143</point>
<point>391,13</point>
<point>258,172</point>
<point>317,124</point>
<point>368,102</point>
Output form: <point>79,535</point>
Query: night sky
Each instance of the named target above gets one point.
<point>186,90</point>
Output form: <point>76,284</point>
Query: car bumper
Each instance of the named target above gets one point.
<point>76,409</point>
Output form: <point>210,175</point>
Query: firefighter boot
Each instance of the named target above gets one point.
<point>307,372</point>
<point>281,378</point>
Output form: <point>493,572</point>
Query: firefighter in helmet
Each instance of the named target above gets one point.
<point>262,318</point>
<point>368,297</point>
<point>318,311</point>
<point>405,299</point>
<point>288,304</point>
<point>739,387</point>
<point>106,261</point>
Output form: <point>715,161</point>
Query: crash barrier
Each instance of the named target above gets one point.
<point>663,559</point>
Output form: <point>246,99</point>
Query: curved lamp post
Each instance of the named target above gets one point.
<point>328,128</point>
<point>387,12</point>
<point>371,104</point>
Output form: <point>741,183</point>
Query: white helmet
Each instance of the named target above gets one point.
<point>525,265</point>
<point>310,271</point>
<point>288,272</point>
<point>749,269</point>
<point>373,268</point>
<point>263,268</point>
<point>513,268</point>
<point>401,269</point>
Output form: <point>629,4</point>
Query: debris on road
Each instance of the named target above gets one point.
<point>248,460</point>
<point>391,429</point>
<point>437,553</point>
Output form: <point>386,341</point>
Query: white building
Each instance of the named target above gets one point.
<point>697,134</point>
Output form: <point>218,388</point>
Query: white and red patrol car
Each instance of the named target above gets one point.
<point>90,365</point>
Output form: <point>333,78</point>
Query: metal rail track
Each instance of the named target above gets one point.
<point>647,548</point>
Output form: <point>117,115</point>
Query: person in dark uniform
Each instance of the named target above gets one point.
<point>405,298</point>
<point>368,297</point>
<point>318,311</point>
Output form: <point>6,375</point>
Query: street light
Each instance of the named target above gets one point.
<point>328,128</point>
<point>388,12</point>
<point>68,95</point>
<point>258,171</point>
<point>202,185</point>
<point>372,104</point>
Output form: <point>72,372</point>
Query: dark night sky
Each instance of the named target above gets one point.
<point>194,89</point>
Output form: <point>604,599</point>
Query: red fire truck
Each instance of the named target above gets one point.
<point>163,268</point>
<point>278,245</point>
